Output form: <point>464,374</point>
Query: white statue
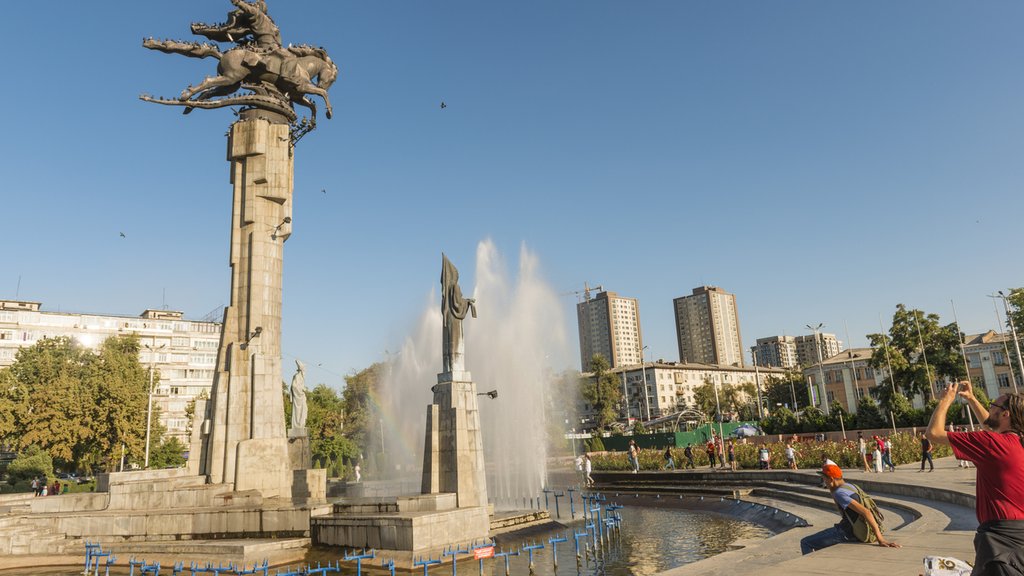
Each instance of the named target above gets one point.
<point>299,396</point>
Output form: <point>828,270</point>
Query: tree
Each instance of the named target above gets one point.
<point>780,421</point>
<point>359,417</point>
<point>868,415</point>
<point>901,348</point>
<point>730,397</point>
<point>601,390</point>
<point>168,454</point>
<point>79,406</point>
<point>33,462</point>
<point>326,425</point>
<point>780,390</point>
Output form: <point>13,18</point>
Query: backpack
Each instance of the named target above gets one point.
<point>861,529</point>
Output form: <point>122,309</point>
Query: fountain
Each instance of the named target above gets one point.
<point>510,349</point>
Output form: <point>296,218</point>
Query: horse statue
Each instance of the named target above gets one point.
<point>278,78</point>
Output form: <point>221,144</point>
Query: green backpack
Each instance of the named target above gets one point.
<point>861,529</point>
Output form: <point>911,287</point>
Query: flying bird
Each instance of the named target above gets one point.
<point>122,235</point>
<point>324,190</point>
<point>443,105</point>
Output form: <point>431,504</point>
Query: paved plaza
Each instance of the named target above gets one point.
<point>942,528</point>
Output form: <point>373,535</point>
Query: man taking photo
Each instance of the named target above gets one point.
<point>998,454</point>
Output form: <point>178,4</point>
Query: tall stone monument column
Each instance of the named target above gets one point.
<point>247,444</point>
<point>453,455</point>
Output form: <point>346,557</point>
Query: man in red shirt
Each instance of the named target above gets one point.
<point>998,454</point>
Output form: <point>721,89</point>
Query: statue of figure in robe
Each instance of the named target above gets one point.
<point>454,308</point>
<point>299,410</point>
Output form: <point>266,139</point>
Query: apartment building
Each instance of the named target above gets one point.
<point>776,351</point>
<point>807,352</point>
<point>609,325</point>
<point>708,327</point>
<point>183,352</point>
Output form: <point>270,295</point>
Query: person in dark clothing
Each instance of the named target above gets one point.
<point>998,455</point>
<point>688,452</point>
<point>926,452</point>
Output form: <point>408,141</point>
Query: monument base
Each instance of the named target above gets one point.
<point>421,524</point>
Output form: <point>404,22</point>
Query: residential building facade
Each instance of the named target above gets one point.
<point>990,363</point>
<point>708,327</point>
<point>183,353</point>
<point>776,351</point>
<point>670,386</point>
<point>806,352</point>
<point>847,376</point>
<point>609,325</point>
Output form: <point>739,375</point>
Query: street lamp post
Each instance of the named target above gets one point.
<point>821,370</point>
<point>1016,342</point>
<point>643,366</point>
<point>149,407</point>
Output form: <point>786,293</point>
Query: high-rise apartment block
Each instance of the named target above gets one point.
<point>708,327</point>
<point>183,352</point>
<point>807,355</point>
<point>610,326</point>
<point>776,351</point>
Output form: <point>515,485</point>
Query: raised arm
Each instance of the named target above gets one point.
<point>937,425</point>
<point>967,393</point>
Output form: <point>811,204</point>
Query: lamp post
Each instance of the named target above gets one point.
<point>1016,342</point>
<point>149,407</point>
<point>821,370</point>
<point>643,366</point>
<point>757,383</point>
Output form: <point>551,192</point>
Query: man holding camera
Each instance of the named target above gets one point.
<point>998,454</point>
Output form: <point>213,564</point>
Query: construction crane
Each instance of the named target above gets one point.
<point>583,295</point>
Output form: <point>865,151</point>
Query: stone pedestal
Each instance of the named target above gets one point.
<point>247,445</point>
<point>299,454</point>
<point>453,455</point>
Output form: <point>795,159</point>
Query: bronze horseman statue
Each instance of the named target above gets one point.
<point>276,76</point>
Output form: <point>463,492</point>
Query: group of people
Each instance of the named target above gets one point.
<point>997,451</point>
<point>881,453</point>
<point>41,488</point>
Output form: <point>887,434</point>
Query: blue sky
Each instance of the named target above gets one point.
<point>823,161</point>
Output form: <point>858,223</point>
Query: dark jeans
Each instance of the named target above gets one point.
<point>927,457</point>
<point>824,539</point>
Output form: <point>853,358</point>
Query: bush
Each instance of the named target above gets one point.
<point>31,463</point>
<point>905,449</point>
<point>594,444</point>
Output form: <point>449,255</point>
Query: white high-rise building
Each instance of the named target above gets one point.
<point>183,352</point>
<point>609,325</point>
<point>776,351</point>
<point>708,327</point>
<point>807,355</point>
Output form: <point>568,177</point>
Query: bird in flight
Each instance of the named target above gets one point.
<point>122,235</point>
<point>443,105</point>
<point>324,190</point>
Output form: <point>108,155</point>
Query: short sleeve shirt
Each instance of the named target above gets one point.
<point>843,496</point>
<point>790,453</point>
<point>999,459</point>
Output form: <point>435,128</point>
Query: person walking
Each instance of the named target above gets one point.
<point>688,452</point>
<point>588,467</point>
<point>926,453</point>
<point>670,464</point>
<point>764,458</point>
<point>731,455</point>
<point>710,448</point>
<point>887,454</point>
<point>634,456</point>
<point>862,445</point>
<point>852,509</point>
<point>791,454</point>
<point>997,452</point>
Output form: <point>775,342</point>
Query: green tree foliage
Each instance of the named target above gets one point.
<point>168,454</point>
<point>868,415</point>
<point>602,391</point>
<point>31,463</point>
<point>360,417</point>
<point>731,398</point>
<point>593,444</point>
<point>780,390</point>
<point>905,354</point>
<point>78,405</point>
<point>326,425</point>
<point>780,421</point>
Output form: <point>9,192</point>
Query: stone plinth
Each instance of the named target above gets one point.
<point>453,455</point>
<point>246,444</point>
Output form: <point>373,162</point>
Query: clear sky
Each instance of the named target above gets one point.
<point>823,161</point>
